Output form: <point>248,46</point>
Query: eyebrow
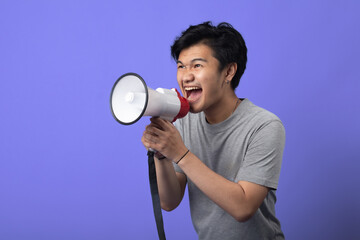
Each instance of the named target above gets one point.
<point>194,60</point>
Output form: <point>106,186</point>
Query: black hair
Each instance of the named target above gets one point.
<point>226,42</point>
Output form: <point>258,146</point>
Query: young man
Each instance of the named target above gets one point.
<point>227,150</point>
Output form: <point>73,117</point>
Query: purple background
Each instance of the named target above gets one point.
<point>68,170</point>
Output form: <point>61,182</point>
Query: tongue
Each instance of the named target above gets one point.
<point>194,95</point>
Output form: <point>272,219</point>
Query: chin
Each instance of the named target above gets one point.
<point>194,109</point>
<point>196,105</point>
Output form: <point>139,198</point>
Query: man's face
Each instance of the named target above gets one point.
<point>199,78</point>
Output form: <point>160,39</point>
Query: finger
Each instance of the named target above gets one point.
<point>149,146</point>
<point>150,137</point>
<point>145,143</point>
<point>149,142</point>
<point>155,122</point>
<point>164,124</point>
<point>155,130</point>
<point>154,146</point>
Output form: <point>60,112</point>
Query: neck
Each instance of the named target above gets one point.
<point>222,110</point>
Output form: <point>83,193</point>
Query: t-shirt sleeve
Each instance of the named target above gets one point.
<point>262,161</point>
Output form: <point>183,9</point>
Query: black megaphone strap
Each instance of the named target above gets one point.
<point>155,196</point>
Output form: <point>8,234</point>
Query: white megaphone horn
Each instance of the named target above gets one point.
<point>131,99</point>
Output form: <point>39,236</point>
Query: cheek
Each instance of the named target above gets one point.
<point>213,89</point>
<point>178,78</point>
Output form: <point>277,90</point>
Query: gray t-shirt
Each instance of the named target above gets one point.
<point>247,146</point>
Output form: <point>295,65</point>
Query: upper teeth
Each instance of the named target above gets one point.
<point>191,88</point>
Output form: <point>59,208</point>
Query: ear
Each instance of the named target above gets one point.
<point>230,71</point>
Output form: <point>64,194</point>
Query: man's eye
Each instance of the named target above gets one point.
<point>180,66</point>
<point>197,65</point>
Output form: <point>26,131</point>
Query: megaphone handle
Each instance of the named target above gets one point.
<point>155,196</point>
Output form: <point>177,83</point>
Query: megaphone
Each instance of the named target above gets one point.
<point>131,99</point>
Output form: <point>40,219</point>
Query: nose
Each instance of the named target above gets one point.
<point>188,77</point>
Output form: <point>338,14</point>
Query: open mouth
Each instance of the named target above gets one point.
<point>193,94</point>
